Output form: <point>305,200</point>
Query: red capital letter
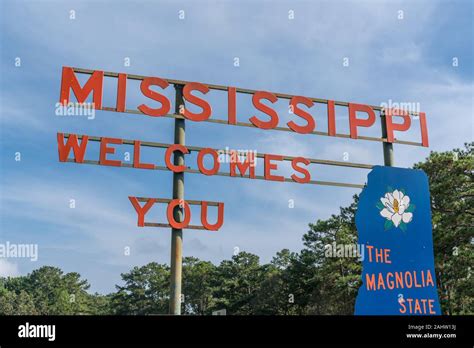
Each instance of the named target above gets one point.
<point>136,157</point>
<point>396,126</point>
<point>310,124</point>
<point>249,162</point>
<point>78,150</point>
<point>424,130</point>
<point>104,150</point>
<point>121,92</point>
<point>220,217</point>
<point>273,122</point>
<point>355,122</point>
<point>165,103</point>
<point>141,211</point>
<point>270,166</point>
<point>304,171</point>
<point>331,118</point>
<point>169,152</point>
<point>187,214</point>
<point>231,105</point>
<point>204,105</point>
<point>200,161</point>
<point>94,85</point>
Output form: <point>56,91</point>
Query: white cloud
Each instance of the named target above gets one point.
<point>8,269</point>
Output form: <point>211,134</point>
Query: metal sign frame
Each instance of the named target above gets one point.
<point>70,82</point>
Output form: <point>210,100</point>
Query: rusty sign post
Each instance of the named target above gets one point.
<point>178,193</point>
<point>387,147</point>
<point>178,211</point>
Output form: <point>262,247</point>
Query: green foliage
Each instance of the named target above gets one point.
<point>146,291</point>
<point>237,283</point>
<point>198,286</point>
<point>335,280</point>
<point>45,291</point>
<point>451,177</point>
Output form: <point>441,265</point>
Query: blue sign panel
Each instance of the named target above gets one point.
<point>394,224</point>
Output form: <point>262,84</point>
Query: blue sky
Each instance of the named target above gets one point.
<point>403,60</point>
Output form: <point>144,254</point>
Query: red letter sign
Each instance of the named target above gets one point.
<point>304,171</point>
<point>204,105</point>
<point>269,166</point>
<point>215,158</point>
<point>187,214</point>
<point>273,122</point>
<point>136,157</point>
<point>243,166</point>
<point>78,150</point>
<point>94,85</point>
<point>220,217</point>
<point>310,124</point>
<point>331,118</point>
<point>121,92</point>
<point>424,129</point>
<point>169,152</point>
<point>231,107</point>
<point>104,150</point>
<point>355,122</point>
<point>165,103</point>
<point>141,211</point>
<point>396,126</point>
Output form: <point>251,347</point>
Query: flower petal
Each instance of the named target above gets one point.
<point>407,217</point>
<point>389,196</point>
<point>406,201</point>
<point>386,213</point>
<point>396,218</point>
<point>401,209</point>
<point>396,195</point>
<point>387,204</point>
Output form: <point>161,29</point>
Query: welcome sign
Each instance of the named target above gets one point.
<point>399,274</point>
<point>394,224</point>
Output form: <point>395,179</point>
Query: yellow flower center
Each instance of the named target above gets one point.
<point>395,205</point>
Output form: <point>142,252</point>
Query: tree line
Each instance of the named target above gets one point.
<point>293,283</point>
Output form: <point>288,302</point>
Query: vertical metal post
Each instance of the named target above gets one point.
<point>387,147</point>
<point>178,193</point>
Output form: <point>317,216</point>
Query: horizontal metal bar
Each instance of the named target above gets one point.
<point>225,88</point>
<point>158,224</point>
<point>259,155</point>
<point>258,177</point>
<point>167,200</point>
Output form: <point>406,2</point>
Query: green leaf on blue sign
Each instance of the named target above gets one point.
<point>403,227</point>
<point>388,224</point>
<point>411,208</point>
<point>379,205</point>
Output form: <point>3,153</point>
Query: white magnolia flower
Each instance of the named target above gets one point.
<point>395,206</point>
